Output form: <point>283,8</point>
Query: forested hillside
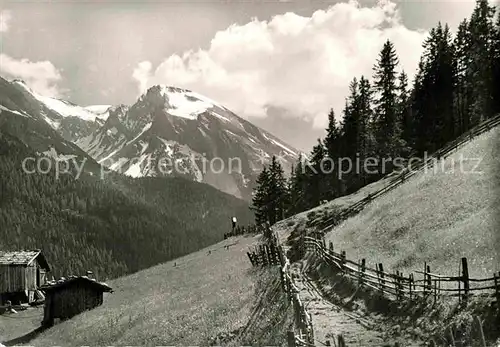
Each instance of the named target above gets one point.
<point>113,226</point>
<point>388,120</point>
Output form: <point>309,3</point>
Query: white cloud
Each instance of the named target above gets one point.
<point>5,17</point>
<point>41,76</point>
<point>303,64</point>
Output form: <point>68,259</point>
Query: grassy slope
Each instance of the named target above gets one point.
<point>322,213</point>
<point>187,304</point>
<point>437,217</point>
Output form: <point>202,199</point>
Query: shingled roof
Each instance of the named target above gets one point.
<point>23,258</point>
<point>63,282</point>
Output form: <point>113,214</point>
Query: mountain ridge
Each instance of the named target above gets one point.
<point>168,131</point>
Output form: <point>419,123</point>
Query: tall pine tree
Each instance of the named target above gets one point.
<point>388,129</point>
<point>332,144</point>
<point>480,70</point>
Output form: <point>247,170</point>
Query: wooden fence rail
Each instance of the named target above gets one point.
<point>412,170</point>
<point>404,286</point>
<point>242,230</point>
<point>302,333</point>
<point>264,254</point>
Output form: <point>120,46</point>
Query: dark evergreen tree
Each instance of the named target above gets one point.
<point>332,145</point>
<point>388,129</point>
<point>480,70</point>
<point>435,92</point>
<point>404,114</point>
<point>365,144</point>
<point>261,204</point>
<point>462,99</point>
<point>297,188</point>
<point>270,197</point>
<point>316,176</point>
<point>278,193</point>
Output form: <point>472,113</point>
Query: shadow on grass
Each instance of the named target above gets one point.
<point>22,340</point>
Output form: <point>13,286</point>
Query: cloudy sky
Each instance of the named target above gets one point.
<point>280,64</point>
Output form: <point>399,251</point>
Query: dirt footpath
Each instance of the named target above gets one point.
<point>330,320</point>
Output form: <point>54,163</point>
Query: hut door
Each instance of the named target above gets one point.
<point>38,279</point>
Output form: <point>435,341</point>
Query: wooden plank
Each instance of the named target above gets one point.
<point>497,286</point>
<point>381,274</point>
<point>465,277</point>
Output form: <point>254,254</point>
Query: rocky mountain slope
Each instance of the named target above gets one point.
<point>173,131</point>
<point>168,131</point>
<point>77,218</point>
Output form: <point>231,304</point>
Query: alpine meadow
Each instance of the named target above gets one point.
<point>248,173</point>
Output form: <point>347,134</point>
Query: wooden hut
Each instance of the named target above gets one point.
<point>21,274</point>
<point>66,298</point>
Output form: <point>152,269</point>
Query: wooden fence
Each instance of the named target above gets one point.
<point>241,230</point>
<point>302,333</point>
<point>412,170</point>
<point>264,254</point>
<point>400,286</point>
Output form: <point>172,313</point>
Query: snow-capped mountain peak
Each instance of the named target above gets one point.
<point>180,102</point>
<point>168,131</point>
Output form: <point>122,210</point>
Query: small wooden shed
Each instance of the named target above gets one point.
<point>68,297</point>
<point>21,274</point>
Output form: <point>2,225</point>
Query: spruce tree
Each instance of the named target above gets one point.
<point>278,195</point>
<point>365,145</point>
<point>260,200</point>
<point>404,114</point>
<point>462,99</point>
<point>297,188</point>
<point>316,182</point>
<point>434,111</point>
<point>332,145</point>
<point>480,71</point>
<point>388,129</point>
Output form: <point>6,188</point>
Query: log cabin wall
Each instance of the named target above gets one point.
<point>31,276</point>
<point>74,299</point>
<point>13,278</point>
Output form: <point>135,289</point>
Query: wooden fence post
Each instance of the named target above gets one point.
<point>465,277</point>
<point>382,281</point>
<point>363,270</point>
<point>435,289</point>
<point>263,254</point>
<point>429,279</point>
<point>341,341</point>
<point>497,285</point>
<point>282,277</point>
<point>360,273</point>
<point>378,273</point>
<point>343,257</point>
<point>411,280</point>
<point>291,338</point>
<point>251,258</point>
<point>302,245</point>
<point>425,279</point>
<point>459,283</point>
<point>399,282</point>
